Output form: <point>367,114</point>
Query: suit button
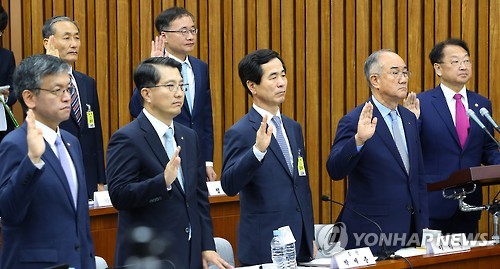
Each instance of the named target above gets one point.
<point>187,230</point>
<point>298,209</point>
<point>77,247</point>
<point>187,205</point>
<point>296,185</point>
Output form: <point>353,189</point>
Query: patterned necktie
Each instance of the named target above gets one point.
<point>169,147</point>
<point>461,120</point>
<point>75,101</point>
<point>65,161</point>
<point>189,95</point>
<point>282,142</point>
<point>398,138</point>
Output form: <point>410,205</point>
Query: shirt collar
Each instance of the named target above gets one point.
<point>381,108</point>
<point>160,127</point>
<point>180,61</point>
<point>264,112</point>
<point>48,133</point>
<point>449,93</point>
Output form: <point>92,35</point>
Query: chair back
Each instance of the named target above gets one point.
<point>225,251</point>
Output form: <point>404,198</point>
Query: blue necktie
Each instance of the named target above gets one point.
<point>282,142</point>
<point>169,147</point>
<point>398,138</point>
<point>185,79</point>
<point>65,161</point>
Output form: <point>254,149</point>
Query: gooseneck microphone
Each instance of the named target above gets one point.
<point>383,253</point>
<point>472,115</point>
<point>485,113</point>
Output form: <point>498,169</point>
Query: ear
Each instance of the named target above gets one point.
<point>29,99</point>
<point>145,93</point>
<point>437,69</point>
<point>45,43</point>
<point>374,79</point>
<point>251,86</point>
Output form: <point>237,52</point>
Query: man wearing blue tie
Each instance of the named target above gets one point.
<point>43,194</point>
<point>265,162</point>
<point>157,177</point>
<point>377,147</point>
<point>450,142</point>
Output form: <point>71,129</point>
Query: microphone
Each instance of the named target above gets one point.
<point>472,115</point>
<point>383,253</point>
<point>485,113</point>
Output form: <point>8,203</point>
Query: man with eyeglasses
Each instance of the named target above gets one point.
<point>156,177</point>
<point>450,142</point>
<point>61,38</point>
<point>43,194</point>
<point>378,148</point>
<point>177,39</point>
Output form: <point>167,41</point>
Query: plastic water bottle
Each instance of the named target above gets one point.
<point>278,251</point>
<point>290,256</point>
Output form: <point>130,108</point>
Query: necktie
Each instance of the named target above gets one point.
<point>461,120</point>
<point>75,101</point>
<point>169,147</point>
<point>65,161</point>
<point>189,95</point>
<point>398,138</point>
<point>282,142</point>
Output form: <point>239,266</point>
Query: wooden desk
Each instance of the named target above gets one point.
<point>476,258</point>
<point>225,212</point>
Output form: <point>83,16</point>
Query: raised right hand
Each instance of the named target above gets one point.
<point>36,144</point>
<point>158,47</point>
<point>263,137</point>
<point>366,124</point>
<point>172,168</point>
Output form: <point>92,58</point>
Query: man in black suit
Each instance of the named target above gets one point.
<point>149,184</point>
<point>7,66</point>
<point>61,37</point>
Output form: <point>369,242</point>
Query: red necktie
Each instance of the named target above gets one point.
<point>461,120</point>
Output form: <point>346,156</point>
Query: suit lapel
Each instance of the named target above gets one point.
<point>474,129</point>
<point>441,107</point>
<point>152,139</point>
<point>179,139</point>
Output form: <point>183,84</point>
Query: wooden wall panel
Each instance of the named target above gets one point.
<point>324,45</point>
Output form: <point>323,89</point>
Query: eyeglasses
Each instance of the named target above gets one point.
<point>172,87</point>
<point>455,63</point>
<point>184,31</point>
<point>397,74</point>
<point>59,92</point>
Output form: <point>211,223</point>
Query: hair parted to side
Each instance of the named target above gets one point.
<point>250,67</point>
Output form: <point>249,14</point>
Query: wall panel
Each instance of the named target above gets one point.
<point>324,45</point>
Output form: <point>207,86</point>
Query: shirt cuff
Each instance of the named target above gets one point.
<point>211,164</point>
<point>258,154</point>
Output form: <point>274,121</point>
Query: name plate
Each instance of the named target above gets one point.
<point>448,244</point>
<point>101,198</point>
<point>214,188</point>
<point>352,258</point>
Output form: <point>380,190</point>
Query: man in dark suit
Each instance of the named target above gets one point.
<point>377,147</point>
<point>177,39</point>
<point>43,195</point>
<point>7,66</point>
<point>268,170</point>
<point>157,191</point>
<point>444,150</point>
<point>63,34</point>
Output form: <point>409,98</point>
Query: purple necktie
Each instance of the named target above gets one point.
<point>65,160</point>
<point>461,120</point>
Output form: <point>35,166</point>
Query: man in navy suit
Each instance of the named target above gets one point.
<point>63,34</point>
<point>177,39</point>
<point>43,195</point>
<point>384,177</point>
<point>7,66</point>
<point>444,152</point>
<point>156,191</point>
<point>268,170</point>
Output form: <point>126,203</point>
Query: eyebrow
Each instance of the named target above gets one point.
<point>397,67</point>
<point>276,73</point>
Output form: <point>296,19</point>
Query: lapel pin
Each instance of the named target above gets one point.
<point>68,144</point>
<point>476,105</point>
<point>182,137</point>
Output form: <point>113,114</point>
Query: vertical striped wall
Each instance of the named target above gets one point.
<point>324,44</point>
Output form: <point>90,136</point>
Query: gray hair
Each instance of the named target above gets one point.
<point>372,65</point>
<point>48,26</point>
<point>32,70</point>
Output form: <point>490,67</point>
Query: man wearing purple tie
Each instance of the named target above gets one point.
<point>449,141</point>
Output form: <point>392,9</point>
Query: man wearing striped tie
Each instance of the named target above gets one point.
<point>61,38</point>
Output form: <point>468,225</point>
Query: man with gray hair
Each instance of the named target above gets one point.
<point>43,194</point>
<point>377,146</point>
<point>61,38</point>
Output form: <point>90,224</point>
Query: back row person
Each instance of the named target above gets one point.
<point>178,35</point>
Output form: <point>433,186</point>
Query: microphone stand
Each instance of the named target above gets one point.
<point>383,253</point>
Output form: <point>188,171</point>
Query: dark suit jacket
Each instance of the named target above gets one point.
<point>442,152</point>
<point>378,185</point>
<point>90,138</point>
<point>7,66</point>
<point>40,225</point>
<point>270,197</point>
<point>201,119</point>
<point>136,160</point>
